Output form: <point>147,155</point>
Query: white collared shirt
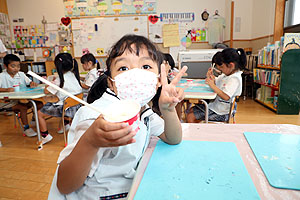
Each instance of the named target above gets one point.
<point>70,85</point>
<point>230,85</point>
<point>6,81</point>
<point>113,169</point>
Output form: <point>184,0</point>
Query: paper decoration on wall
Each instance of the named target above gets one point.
<point>29,36</point>
<point>65,21</point>
<point>108,7</point>
<point>85,51</point>
<point>153,18</point>
<point>117,7</point>
<point>177,17</point>
<point>102,8</point>
<point>46,53</point>
<point>186,41</point>
<point>150,4</point>
<point>138,4</point>
<point>171,35</point>
<point>82,6</point>
<point>100,51</point>
<point>63,38</point>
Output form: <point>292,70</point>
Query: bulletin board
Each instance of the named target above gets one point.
<point>97,34</point>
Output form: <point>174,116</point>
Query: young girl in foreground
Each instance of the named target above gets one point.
<point>228,85</point>
<point>102,160</point>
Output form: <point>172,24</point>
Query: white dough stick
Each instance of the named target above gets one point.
<point>64,91</point>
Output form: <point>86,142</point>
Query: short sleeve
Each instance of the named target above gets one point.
<point>90,79</point>
<point>231,86</point>
<point>157,125</point>
<point>78,131</point>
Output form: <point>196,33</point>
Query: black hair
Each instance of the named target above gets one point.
<point>64,63</point>
<point>10,58</point>
<point>132,43</point>
<point>237,56</point>
<point>217,58</point>
<point>169,58</point>
<point>89,57</point>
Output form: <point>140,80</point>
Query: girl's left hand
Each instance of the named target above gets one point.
<point>33,84</point>
<point>170,94</point>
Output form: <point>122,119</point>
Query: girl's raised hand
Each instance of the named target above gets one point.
<point>170,94</point>
<point>107,134</point>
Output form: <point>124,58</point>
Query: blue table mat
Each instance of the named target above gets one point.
<point>196,170</point>
<point>278,156</point>
<point>202,89</point>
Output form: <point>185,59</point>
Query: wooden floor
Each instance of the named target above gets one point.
<point>26,173</point>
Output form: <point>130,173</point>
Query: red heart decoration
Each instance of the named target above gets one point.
<point>153,18</point>
<point>65,21</point>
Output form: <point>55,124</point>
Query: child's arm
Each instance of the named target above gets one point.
<point>84,86</point>
<point>7,89</point>
<point>170,96</point>
<point>74,169</point>
<point>210,80</point>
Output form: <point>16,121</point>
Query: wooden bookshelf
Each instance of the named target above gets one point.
<point>269,67</point>
<point>270,86</point>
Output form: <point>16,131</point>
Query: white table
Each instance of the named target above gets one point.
<point>200,94</point>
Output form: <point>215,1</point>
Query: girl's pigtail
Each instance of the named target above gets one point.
<point>242,58</point>
<point>98,88</point>
<point>98,64</point>
<point>59,68</point>
<point>76,70</point>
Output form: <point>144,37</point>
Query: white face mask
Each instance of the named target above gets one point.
<point>136,84</point>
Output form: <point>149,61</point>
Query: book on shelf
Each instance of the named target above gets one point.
<point>267,77</point>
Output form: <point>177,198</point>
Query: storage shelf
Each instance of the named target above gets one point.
<point>268,67</point>
<point>270,86</point>
<point>268,105</point>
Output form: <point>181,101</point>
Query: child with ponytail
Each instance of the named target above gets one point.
<point>230,62</point>
<point>68,79</point>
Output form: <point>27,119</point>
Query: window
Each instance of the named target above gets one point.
<point>292,14</point>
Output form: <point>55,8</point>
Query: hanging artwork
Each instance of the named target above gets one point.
<point>75,8</point>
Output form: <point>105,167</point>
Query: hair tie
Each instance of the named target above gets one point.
<point>238,52</point>
<point>60,59</point>
<point>96,61</point>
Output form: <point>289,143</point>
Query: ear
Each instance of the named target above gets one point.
<point>110,85</point>
<point>232,65</point>
<point>90,63</point>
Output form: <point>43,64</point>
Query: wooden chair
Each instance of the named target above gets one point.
<point>232,111</point>
<point>69,102</point>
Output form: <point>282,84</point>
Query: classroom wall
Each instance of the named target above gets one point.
<point>33,11</point>
<point>263,18</point>
<point>257,16</point>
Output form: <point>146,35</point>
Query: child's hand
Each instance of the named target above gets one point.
<point>33,84</point>
<point>107,134</point>
<point>170,95</point>
<point>209,72</point>
<point>210,80</point>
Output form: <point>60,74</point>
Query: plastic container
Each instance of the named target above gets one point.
<point>127,111</point>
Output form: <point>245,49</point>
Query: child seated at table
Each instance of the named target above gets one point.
<point>68,79</point>
<point>11,80</point>
<point>90,64</point>
<point>228,85</point>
